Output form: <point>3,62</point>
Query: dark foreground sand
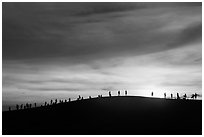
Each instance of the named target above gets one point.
<point>109,116</point>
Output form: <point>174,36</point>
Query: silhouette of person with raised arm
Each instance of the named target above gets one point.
<point>178,96</point>
<point>79,97</point>
<point>35,105</point>
<point>171,96</point>
<point>118,93</point>
<point>195,95</point>
<point>109,93</point>
<point>152,94</point>
<point>17,106</point>
<point>164,95</point>
<point>126,92</point>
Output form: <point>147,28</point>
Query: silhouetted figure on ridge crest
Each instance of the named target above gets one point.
<point>89,97</point>
<point>178,96</point>
<point>35,105</point>
<point>109,93</point>
<point>184,96</point>
<point>17,106</point>
<point>164,95</point>
<point>119,93</point>
<point>9,108</point>
<point>152,94</point>
<point>45,103</point>
<point>21,106</point>
<point>69,99</point>
<point>171,96</point>
<point>126,92</point>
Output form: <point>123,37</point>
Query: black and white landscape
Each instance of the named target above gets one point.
<point>66,67</point>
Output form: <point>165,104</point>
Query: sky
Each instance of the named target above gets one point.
<point>62,50</point>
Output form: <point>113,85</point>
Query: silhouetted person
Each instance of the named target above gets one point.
<point>164,95</point>
<point>171,96</point>
<point>9,108</point>
<point>79,97</point>
<point>184,96</point>
<point>152,94</point>
<point>109,94</point>
<point>82,98</point>
<point>89,97</point>
<point>69,99</point>
<point>21,106</point>
<point>35,105</point>
<point>51,102</point>
<point>27,106</point>
<point>118,93</point>
<point>30,105</point>
<point>65,101</point>
<point>178,96</point>
<point>196,95</point>
<point>126,92</point>
<point>45,103</point>
<point>98,96</point>
<point>17,107</point>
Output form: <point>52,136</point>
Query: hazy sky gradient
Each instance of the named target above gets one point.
<point>61,50</point>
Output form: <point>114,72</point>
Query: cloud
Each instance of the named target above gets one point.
<point>109,29</point>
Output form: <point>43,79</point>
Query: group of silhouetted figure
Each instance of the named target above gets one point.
<point>193,96</point>
<point>54,102</point>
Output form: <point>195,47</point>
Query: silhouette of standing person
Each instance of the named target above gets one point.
<point>196,95</point>
<point>171,96</point>
<point>118,93</point>
<point>35,105</point>
<point>89,97</point>
<point>126,92</point>
<point>109,93</point>
<point>51,102</point>
<point>69,99</point>
<point>164,95</point>
<point>152,94</point>
<point>9,108</point>
<point>184,96</point>
<point>17,107</point>
<point>45,103</point>
<point>55,101</point>
<point>21,106</point>
<point>178,96</point>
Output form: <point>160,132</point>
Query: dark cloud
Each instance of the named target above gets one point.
<point>87,30</point>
